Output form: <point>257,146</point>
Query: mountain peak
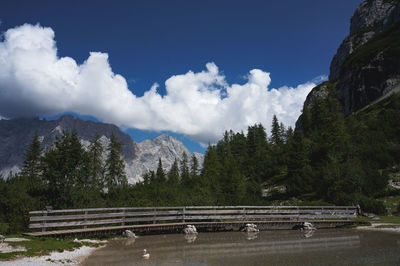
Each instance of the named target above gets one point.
<point>16,135</point>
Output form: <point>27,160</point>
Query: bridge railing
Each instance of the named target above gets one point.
<point>95,217</point>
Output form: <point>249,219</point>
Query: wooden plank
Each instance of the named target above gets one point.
<point>100,215</point>
<point>191,207</point>
<point>107,221</point>
<point>195,212</point>
<point>75,223</point>
<point>103,209</point>
<point>271,216</point>
<point>150,219</point>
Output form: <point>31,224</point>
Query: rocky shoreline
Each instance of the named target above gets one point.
<point>74,257</point>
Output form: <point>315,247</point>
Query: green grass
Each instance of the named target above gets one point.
<point>387,226</point>
<point>42,246</point>
<point>391,203</point>
<point>388,219</point>
<point>382,219</point>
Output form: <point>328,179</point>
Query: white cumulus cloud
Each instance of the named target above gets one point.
<point>34,80</point>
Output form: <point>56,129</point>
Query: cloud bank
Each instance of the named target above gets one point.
<point>35,81</point>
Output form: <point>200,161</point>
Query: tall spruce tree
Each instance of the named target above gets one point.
<point>115,165</point>
<point>276,131</point>
<point>299,175</point>
<point>173,174</point>
<point>211,174</point>
<point>160,175</point>
<point>96,165</point>
<point>194,166</point>
<point>185,173</point>
<point>233,182</point>
<point>32,158</point>
<point>65,171</point>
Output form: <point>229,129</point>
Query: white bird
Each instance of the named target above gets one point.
<point>145,254</point>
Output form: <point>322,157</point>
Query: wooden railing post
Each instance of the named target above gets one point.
<point>244,213</point>
<point>85,225</point>
<point>123,217</point>
<point>154,215</point>
<point>215,214</point>
<point>44,222</point>
<point>183,214</point>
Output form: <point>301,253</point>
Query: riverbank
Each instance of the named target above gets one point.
<point>74,257</point>
<point>46,251</point>
<point>382,227</point>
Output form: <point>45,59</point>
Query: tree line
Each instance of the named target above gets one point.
<point>65,176</point>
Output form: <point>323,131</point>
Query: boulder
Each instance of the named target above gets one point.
<point>190,229</point>
<point>308,226</point>
<point>250,228</point>
<point>304,226</point>
<point>129,233</point>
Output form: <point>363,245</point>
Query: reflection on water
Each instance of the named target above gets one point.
<point>190,238</point>
<point>321,247</point>
<point>129,241</point>
<point>251,235</point>
<point>308,233</point>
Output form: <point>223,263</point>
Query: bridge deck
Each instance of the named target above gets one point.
<point>201,226</point>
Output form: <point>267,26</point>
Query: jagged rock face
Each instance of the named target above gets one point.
<point>319,92</point>
<point>359,87</point>
<point>370,18</point>
<point>165,147</point>
<point>17,134</point>
<point>367,63</point>
<point>370,13</point>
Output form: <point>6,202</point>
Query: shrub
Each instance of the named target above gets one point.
<point>3,228</point>
<point>372,205</point>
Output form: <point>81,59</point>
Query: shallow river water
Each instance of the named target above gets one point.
<point>323,247</point>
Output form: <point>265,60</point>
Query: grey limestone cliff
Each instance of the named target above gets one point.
<point>370,18</point>
<point>366,66</point>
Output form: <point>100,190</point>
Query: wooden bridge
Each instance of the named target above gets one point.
<point>174,219</point>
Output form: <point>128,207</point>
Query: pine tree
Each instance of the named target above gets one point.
<point>185,174</point>
<point>276,131</point>
<point>32,158</point>
<point>234,183</point>
<point>160,175</point>
<point>258,160</point>
<point>289,134</point>
<point>65,170</point>
<point>299,176</point>
<point>211,175</point>
<point>115,165</point>
<point>96,165</point>
<point>194,166</point>
<point>173,174</point>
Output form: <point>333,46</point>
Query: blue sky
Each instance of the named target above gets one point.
<point>149,42</point>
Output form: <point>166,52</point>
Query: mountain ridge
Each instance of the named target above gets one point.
<point>16,135</point>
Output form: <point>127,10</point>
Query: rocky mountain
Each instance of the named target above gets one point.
<point>16,135</point>
<point>367,63</point>
<point>165,147</point>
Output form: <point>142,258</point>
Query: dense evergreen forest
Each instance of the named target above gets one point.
<point>327,159</point>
